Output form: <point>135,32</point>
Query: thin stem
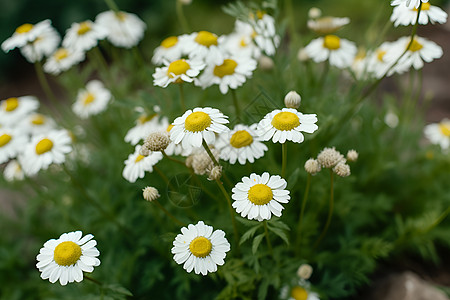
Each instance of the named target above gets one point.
<point>138,57</point>
<point>112,5</point>
<point>290,14</point>
<point>168,213</point>
<point>330,212</point>
<point>92,279</point>
<point>205,145</point>
<point>233,221</point>
<point>173,159</point>
<point>164,177</point>
<point>181,17</point>
<point>302,210</point>
<point>283,159</point>
<point>236,104</point>
<point>101,60</point>
<point>183,104</point>
<point>44,83</point>
<point>266,232</point>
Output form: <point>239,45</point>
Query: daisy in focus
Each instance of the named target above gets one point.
<point>84,36</point>
<point>286,125</point>
<point>203,46</point>
<point>258,197</point>
<point>177,72</point>
<point>327,25</point>
<point>409,3</point>
<point>145,124</point>
<point>92,100</point>
<point>404,15</point>
<point>136,164</point>
<point>14,109</point>
<point>241,144</point>
<point>439,133</point>
<point>124,29</point>
<point>13,171</point>
<point>339,52</point>
<point>45,149</point>
<point>170,49</point>
<point>198,125</point>
<point>264,34</point>
<point>199,248</point>
<point>66,258</point>
<point>12,142</point>
<point>62,60</point>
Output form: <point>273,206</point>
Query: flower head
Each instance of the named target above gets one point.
<point>84,36</point>
<point>339,52</point>
<point>178,71</point>
<point>14,109</point>
<point>145,124</point>
<point>409,3</point>
<point>292,100</point>
<point>13,171</point>
<point>203,46</point>
<point>150,193</point>
<point>45,43</point>
<point>136,164</point>
<point>327,25</point>
<point>157,141</point>
<point>439,133</point>
<point>312,166</point>
<point>170,49</point>
<point>12,142</point>
<point>62,60</point>
<point>404,15</point>
<point>92,100</point>
<point>329,157</point>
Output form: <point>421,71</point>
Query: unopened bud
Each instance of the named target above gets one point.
<point>292,100</point>
<point>304,271</point>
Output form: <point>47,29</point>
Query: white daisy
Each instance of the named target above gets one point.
<point>46,41</point>
<point>24,34</point>
<point>66,258</point>
<point>177,72</point>
<point>409,3</point>
<point>404,15</point>
<point>145,124</point>
<point>339,52</point>
<point>13,171</point>
<point>36,123</point>
<point>197,125</point>
<point>84,36</point>
<point>265,35</point>
<point>379,63</point>
<point>241,144</point>
<point>439,133</point>
<point>199,248</point>
<point>92,100</point>
<point>240,42</point>
<point>258,197</point>
<point>62,60</point>
<point>203,46</point>
<point>123,29</point>
<point>286,125</point>
<point>12,143</point>
<point>231,73</point>
<point>327,25</point>
<point>176,149</point>
<point>298,291</point>
<point>14,109</point>
<point>170,49</point>
<point>45,149</point>
<point>136,164</point>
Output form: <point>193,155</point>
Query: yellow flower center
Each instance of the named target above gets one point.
<point>197,121</point>
<point>415,46</point>
<point>139,158</point>
<point>444,127</point>
<point>243,43</point>
<point>241,138</point>
<point>200,246</point>
<point>38,119</point>
<point>121,16</point>
<point>285,120</point>
<point>88,99</point>
<point>227,68</point>
<point>206,38</point>
<point>169,128</point>
<point>425,6</point>
<point>169,42</point>
<point>11,104</point>
<point>24,28</point>
<point>145,118</point>
<point>260,194</point>
<point>4,139</point>
<point>380,55</point>
<point>331,42</point>
<point>84,28</point>
<point>44,146</point>
<point>299,293</point>
<point>67,253</point>
<point>60,54</point>
<point>178,67</point>
<point>260,14</point>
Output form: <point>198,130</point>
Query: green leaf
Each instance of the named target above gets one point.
<point>280,233</point>
<point>246,222</point>
<point>249,234</point>
<point>278,224</point>
<point>256,241</point>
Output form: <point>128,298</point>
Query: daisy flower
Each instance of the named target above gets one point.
<point>409,3</point>
<point>170,49</point>
<point>339,52</point>
<point>378,63</point>
<point>258,197</point>
<point>176,149</point>
<point>241,144</point>
<point>11,143</point>
<point>203,46</point>
<point>177,72</point>
<point>62,60</point>
<point>92,100</point>
<point>123,29</point>
<point>45,149</point>
<point>265,35</point>
<point>439,133</point>
<point>136,164</point>
<point>197,125</point>
<point>36,123</point>
<point>327,25</point>
<point>84,36</point>
<point>404,15</point>
<point>46,41</point>
<point>14,109</point>
<point>145,124</point>
<point>13,171</point>
<point>286,125</point>
<point>298,290</point>
<point>24,34</point>
<point>199,248</point>
<point>65,259</point>
<point>240,42</point>
<point>231,73</point>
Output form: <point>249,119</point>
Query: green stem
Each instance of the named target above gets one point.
<point>439,220</point>
<point>266,232</point>
<point>164,177</point>
<point>205,145</point>
<point>183,104</point>
<point>236,104</point>
<point>330,212</point>
<point>290,14</point>
<point>138,57</point>
<point>181,17</point>
<point>173,159</point>
<point>168,213</point>
<point>44,83</point>
<point>112,5</point>
<point>283,159</point>
<point>92,279</point>
<point>302,211</point>
<point>233,221</point>
<point>103,65</point>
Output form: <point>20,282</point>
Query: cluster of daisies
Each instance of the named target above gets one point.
<point>207,59</point>
<point>332,159</point>
<point>29,141</point>
<point>41,41</point>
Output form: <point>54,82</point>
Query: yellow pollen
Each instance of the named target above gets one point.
<point>139,158</point>
<point>145,118</point>
<point>169,128</point>
<point>254,34</point>
<point>84,28</point>
<point>425,6</point>
<point>44,146</point>
<point>444,127</point>
<point>241,139</point>
<point>169,42</point>
<point>331,42</point>
<point>38,119</point>
<point>67,253</point>
<point>4,139</point>
<point>380,55</point>
<point>200,247</point>
<point>206,38</point>
<point>260,14</point>
<point>243,43</point>
<point>299,293</point>
<point>178,67</point>
<point>88,99</point>
<point>60,54</point>
<point>11,104</point>
<point>24,28</point>
<point>197,121</point>
<point>260,194</point>
<point>285,121</point>
<point>415,46</point>
<point>121,16</point>
<point>227,68</point>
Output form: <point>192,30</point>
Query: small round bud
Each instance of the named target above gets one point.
<point>304,271</point>
<point>391,119</point>
<point>157,141</point>
<point>215,172</point>
<point>266,63</point>
<point>342,169</point>
<point>185,2</point>
<point>329,157</point>
<point>302,55</point>
<point>189,160</point>
<point>150,194</point>
<point>314,13</point>
<point>292,100</point>
<point>144,151</point>
<point>312,166</point>
<point>352,155</point>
